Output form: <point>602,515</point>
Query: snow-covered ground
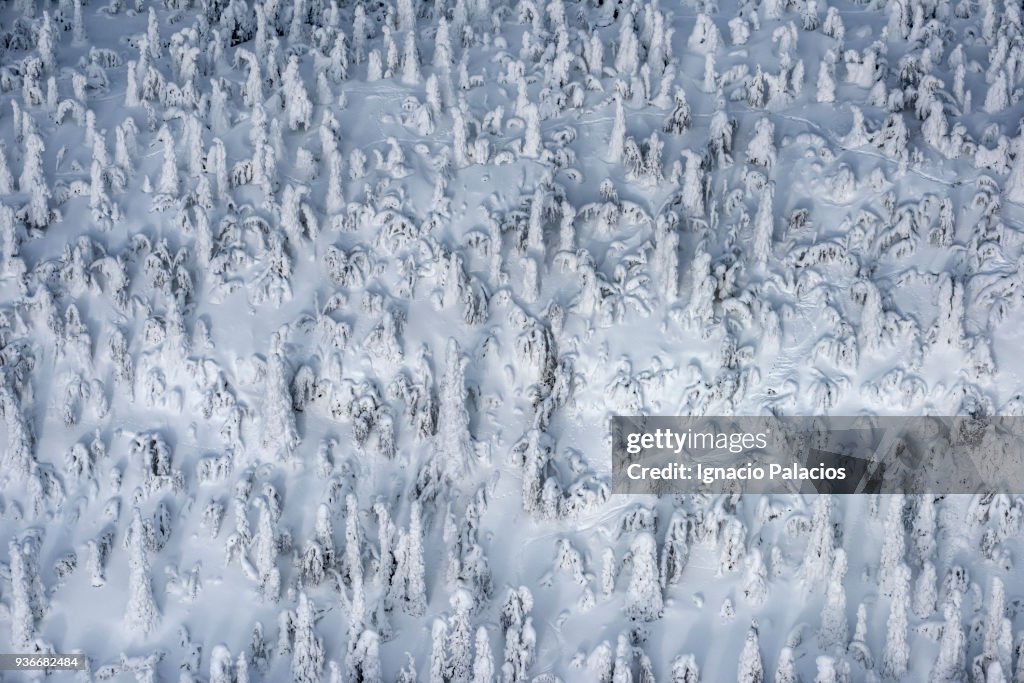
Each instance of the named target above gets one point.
<point>313,316</point>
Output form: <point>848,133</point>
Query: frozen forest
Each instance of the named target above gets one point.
<point>314,313</point>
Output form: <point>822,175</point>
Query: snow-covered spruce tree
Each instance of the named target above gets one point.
<point>666,260</point>
<point>6,178</point>
<point>411,61</point>
<point>410,579</point>
<point>617,142</point>
<point>308,650</point>
<point>1014,187</point>
<point>520,637</point>
<point>733,544</point>
<point>460,148</point>
<point>33,182</point>
<point>949,320</point>
<point>533,454</point>
<point>761,150</point>
<point>627,57</point>
<point>997,97</point>
<point>858,648</point>
<point>750,669</point>
<point>265,551</point>
<point>785,670</point>
<point>298,106</point>
<point>141,613</point>
<point>10,239</point>
<point>834,631</point>
<point>764,225</point>
<point>950,661</point>
<point>27,597</point>
<point>896,655</point>
<point>685,669</point>
<point>643,596</point>
<point>674,550</point>
<point>893,545</point>
<point>922,538</point>
<point>997,639</point>
<point>532,141</point>
<point>826,666</point>
<point>926,591</point>
<point>458,665</point>
<point>168,183</point>
<point>826,90</point>
<point>280,433</point>
<point>454,441</point>
<point>483,660</point>
<point>335,200</point>
<point>443,54</point>
<point>679,120</point>
<point>622,664</point>
<point>819,554</point>
<point>364,663</point>
<point>222,669</point>
<point>19,458</point>
<point>692,192</point>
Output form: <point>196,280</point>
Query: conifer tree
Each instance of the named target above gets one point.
<point>141,613</point>
<point>644,598</point>
<point>298,105</point>
<point>308,650</point>
<point>483,661</point>
<point>618,139</point>
<point>33,182</point>
<point>750,669</point>
<point>896,656</point>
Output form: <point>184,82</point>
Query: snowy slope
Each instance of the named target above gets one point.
<point>313,317</point>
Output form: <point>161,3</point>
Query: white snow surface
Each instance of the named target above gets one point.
<point>313,316</point>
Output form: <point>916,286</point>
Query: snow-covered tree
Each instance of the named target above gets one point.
<point>950,661</point>
<point>438,658</point>
<point>520,637</point>
<point>685,669</point>
<point>265,550</point>
<point>997,97</point>
<point>141,613</point>
<point>761,150</point>
<point>750,669</point>
<point>997,642</point>
<point>826,92</point>
<point>644,597</point>
<point>1014,187</point>
<point>483,661</point>
<point>616,143</point>
<point>896,655</point>
<point>409,572</point>
<point>222,668</point>
<point>411,61</point>
<point>893,544</point>
<point>455,443</point>
<point>532,141</point>
<point>834,630</point>
<point>27,597</point>
<point>364,663</point>
<point>298,106</point>
<point>785,670</point>
<point>308,650</point>
<point>33,182</point>
<point>280,433</point>
<point>764,225</point>
<point>460,639</point>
